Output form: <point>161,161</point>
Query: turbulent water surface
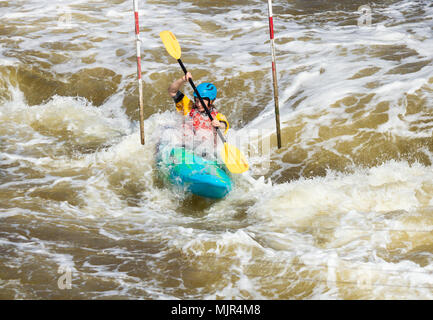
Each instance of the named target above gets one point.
<point>344,210</point>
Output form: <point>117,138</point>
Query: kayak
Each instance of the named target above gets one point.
<point>184,169</point>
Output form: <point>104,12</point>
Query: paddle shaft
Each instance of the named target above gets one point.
<point>201,100</point>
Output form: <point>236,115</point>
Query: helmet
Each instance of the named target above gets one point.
<point>206,90</point>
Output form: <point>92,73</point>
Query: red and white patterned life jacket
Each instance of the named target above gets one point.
<point>200,120</point>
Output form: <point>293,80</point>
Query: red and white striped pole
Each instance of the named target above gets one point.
<point>274,73</point>
<point>140,87</point>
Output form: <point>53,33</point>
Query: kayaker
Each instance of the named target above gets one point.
<point>193,110</point>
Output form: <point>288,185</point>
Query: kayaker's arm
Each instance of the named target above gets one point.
<point>174,88</point>
<point>183,103</point>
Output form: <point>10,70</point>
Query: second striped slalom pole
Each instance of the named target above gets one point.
<point>140,86</point>
<point>274,73</point>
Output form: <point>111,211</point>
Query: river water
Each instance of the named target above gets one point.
<point>344,210</point>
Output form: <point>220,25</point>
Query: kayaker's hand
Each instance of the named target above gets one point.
<point>186,77</point>
<point>216,123</point>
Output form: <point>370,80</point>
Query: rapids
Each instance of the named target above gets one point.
<point>344,210</point>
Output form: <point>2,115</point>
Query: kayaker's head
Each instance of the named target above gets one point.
<point>208,92</point>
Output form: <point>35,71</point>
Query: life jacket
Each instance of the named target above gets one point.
<point>200,120</point>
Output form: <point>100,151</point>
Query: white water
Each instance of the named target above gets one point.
<point>78,189</point>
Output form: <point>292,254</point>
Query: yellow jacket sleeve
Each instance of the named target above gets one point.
<point>223,118</point>
<point>183,103</point>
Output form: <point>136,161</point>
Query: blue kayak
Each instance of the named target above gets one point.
<point>200,176</point>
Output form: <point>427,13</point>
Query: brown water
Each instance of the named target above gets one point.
<point>343,210</point>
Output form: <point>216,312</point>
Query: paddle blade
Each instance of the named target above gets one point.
<point>171,44</point>
<point>234,159</point>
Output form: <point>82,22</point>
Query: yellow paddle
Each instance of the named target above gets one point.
<point>232,156</point>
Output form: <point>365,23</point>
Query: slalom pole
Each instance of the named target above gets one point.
<point>140,87</point>
<point>274,73</point>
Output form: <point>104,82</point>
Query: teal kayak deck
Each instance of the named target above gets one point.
<point>200,176</point>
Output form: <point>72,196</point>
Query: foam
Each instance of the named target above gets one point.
<point>299,228</point>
